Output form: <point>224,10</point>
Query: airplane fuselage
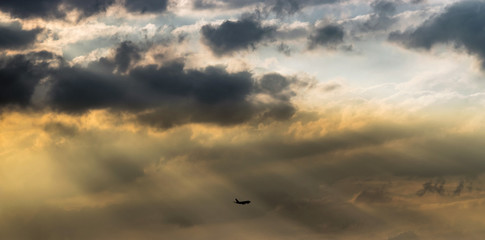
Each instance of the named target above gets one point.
<point>242,202</point>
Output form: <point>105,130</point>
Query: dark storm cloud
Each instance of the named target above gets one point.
<point>211,96</point>
<point>461,24</point>
<point>20,74</point>
<point>382,16</point>
<point>13,37</point>
<point>233,36</point>
<point>160,96</point>
<point>326,36</point>
<point>172,94</point>
<point>72,86</point>
<point>88,7</point>
<point>30,8</point>
<point>51,8</point>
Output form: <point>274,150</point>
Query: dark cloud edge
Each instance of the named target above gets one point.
<point>50,9</point>
<point>13,37</point>
<point>459,24</point>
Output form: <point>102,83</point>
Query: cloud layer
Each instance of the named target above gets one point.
<point>162,96</point>
<point>460,25</point>
<point>280,7</point>
<point>56,8</point>
<point>145,119</point>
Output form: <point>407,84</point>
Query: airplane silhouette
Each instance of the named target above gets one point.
<point>242,202</point>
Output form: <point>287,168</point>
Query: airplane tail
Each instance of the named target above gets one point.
<point>236,200</point>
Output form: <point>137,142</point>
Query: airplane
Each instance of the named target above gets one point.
<point>242,202</point>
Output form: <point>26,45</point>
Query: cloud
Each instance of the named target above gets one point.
<point>20,75</point>
<point>105,173</point>
<point>405,236</point>
<point>327,36</point>
<point>437,187</point>
<point>126,55</point>
<point>326,215</point>
<point>152,6</point>
<point>171,94</point>
<point>279,7</point>
<point>332,86</point>
<point>375,195</point>
<point>291,33</point>
<point>382,16</point>
<point>82,157</point>
<point>143,219</point>
<point>287,196</point>
<point>212,96</point>
<point>32,8</point>
<point>89,7</point>
<point>364,153</point>
<point>461,24</point>
<point>290,7</point>
<point>61,129</point>
<point>286,6</point>
<point>163,96</point>
<point>459,188</point>
<point>52,8</point>
<point>232,36</point>
<point>417,1</point>
<point>185,179</point>
<point>13,37</point>
<point>284,48</point>
<point>203,4</point>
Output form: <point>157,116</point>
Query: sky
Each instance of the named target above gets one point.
<point>338,119</point>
